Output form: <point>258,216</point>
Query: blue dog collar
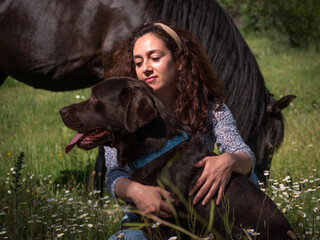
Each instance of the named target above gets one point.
<point>169,145</point>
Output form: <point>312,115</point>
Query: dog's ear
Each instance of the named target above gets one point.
<point>139,108</point>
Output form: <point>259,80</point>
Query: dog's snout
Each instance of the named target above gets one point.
<point>63,111</point>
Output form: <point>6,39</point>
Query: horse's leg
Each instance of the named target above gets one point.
<point>3,76</point>
<point>99,172</point>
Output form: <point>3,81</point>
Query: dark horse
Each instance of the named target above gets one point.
<point>62,45</point>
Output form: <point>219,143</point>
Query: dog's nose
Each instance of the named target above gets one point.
<point>63,111</point>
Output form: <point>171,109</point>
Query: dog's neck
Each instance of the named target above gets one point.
<point>168,146</point>
<point>152,137</point>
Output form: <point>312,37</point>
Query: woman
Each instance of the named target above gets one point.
<point>176,66</point>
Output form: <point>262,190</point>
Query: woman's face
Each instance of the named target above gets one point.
<point>155,65</point>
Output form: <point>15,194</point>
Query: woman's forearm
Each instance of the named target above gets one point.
<point>147,199</point>
<point>242,163</point>
<point>125,187</point>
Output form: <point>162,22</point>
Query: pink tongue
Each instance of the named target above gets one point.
<point>73,142</point>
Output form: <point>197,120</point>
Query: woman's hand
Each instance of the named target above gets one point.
<point>147,199</point>
<point>152,200</point>
<point>215,177</point>
<point>217,173</point>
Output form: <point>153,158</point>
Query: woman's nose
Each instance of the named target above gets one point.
<point>147,68</point>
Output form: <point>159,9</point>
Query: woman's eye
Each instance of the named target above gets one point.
<point>155,59</point>
<point>138,64</point>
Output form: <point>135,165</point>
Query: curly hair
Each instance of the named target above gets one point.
<point>197,82</point>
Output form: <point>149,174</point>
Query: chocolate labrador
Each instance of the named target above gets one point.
<point>124,113</point>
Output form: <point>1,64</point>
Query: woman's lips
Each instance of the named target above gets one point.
<point>150,79</point>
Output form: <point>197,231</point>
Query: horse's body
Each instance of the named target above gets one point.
<point>62,45</point>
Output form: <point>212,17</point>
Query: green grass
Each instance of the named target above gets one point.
<point>55,198</point>
<point>293,71</point>
<point>30,122</point>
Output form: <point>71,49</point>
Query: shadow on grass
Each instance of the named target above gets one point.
<point>80,178</point>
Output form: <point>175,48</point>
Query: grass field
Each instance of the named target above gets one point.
<point>52,197</point>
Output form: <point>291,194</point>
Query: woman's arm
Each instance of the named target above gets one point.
<point>242,163</point>
<point>217,173</point>
<point>148,199</point>
<point>235,156</point>
<point>114,172</point>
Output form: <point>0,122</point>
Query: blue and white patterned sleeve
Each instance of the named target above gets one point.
<point>114,172</point>
<point>227,134</point>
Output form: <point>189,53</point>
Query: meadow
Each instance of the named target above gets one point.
<point>46,194</point>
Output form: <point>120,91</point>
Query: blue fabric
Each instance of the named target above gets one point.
<point>170,144</point>
<point>129,235</point>
<point>254,179</point>
<point>129,215</point>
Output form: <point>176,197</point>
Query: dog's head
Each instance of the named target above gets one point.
<point>117,106</point>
